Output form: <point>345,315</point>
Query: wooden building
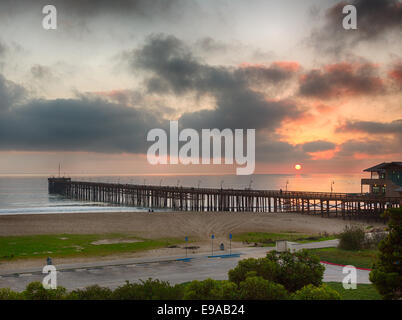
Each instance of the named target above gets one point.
<point>385,179</point>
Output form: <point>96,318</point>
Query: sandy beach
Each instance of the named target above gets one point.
<point>197,226</point>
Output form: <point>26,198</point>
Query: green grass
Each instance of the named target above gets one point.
<point>362,291</point>
<point>268,239</point>
<point>360,258</point>
<point>71,245</point>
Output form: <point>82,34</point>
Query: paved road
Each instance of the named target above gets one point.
<point>114,273</point>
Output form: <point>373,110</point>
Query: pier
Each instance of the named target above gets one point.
<point>325,204</point>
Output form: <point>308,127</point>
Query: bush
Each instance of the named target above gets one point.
<point>311,292</point>
<point>375,239</point>
<point>257,288</point>
<point>210,289</point>
<point>8,294</point>
<point>386,274</point>
<point>352,238</point>
<point>292,270</point>
<point>148,290</point>
<point>94,292</point>
<point>36,291</point>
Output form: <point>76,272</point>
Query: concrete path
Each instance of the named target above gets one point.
<point>114,273</point>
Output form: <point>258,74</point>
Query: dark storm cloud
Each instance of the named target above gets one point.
<point>174,70</point>
<point>265,74</point>
<point>90,8</point>
<point>319,145</point>
<point>372,127</point>
<point>10,93</point>
<point>76,125</point>
<point>375,19</point>
<point>341,79</point>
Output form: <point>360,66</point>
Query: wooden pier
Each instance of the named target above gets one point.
<point>325,204</point>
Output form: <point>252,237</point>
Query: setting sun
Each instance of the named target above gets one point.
<point>297,166</point>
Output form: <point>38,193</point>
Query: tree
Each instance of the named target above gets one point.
<point>311,292</point>
<point>257,288</point>
<point>210,289</point>
<point>292,270</point>
<point>386,274</point>
<point>36,291</point>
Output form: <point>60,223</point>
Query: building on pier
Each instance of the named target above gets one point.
<point>385,179</point>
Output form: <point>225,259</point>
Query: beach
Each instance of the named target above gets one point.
<point>198,226</point>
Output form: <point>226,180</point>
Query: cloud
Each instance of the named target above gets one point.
<point>84,124</point>
<point>385,138</point>
<point>341,79</point>
<point>372,127</point>
<point>91,8</point>
<point>173,69</point>
<point>10,93</point>
<point>3,49</point>
<point>395,74</point>
<point>375,20</point>
<point>317,146</point>
<point>40,72</point>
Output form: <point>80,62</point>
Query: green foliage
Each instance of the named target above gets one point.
<point>292,270</point>
<point>311,292</point>
<point>69,245</point>
<point>386,274</point>
<point>257,288</point>
<point>352,238</point>
<point>94,292</point>
<point>36,291</point>
<point>210,289</point>
<point>8,294</point>
<point>360,258</point>
<point>362,291</point>
<point>148,290</point>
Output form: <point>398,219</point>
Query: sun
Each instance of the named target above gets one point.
<point>298,166</point>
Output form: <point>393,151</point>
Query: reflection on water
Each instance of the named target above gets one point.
<point>30,194</point>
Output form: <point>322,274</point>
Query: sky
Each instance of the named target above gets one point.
<point>86,94</point>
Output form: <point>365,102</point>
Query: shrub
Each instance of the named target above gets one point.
<point>375,239</point>
<point>36,291</point>
<point>8,294</point>
<point>292,270</point>
<point>311,292</point>
<point>94,292</point>
<point>386,273</point>
<point>148,290</point>
<point>352,238</point>
<point>257,288</point>
<point>210,289</point>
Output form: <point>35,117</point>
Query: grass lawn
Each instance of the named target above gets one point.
<point>69,245</point>
<point>362,292</point>
<point>360,258</point>
<point>268,239</point>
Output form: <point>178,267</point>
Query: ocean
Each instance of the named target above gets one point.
<point>29,194</point>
